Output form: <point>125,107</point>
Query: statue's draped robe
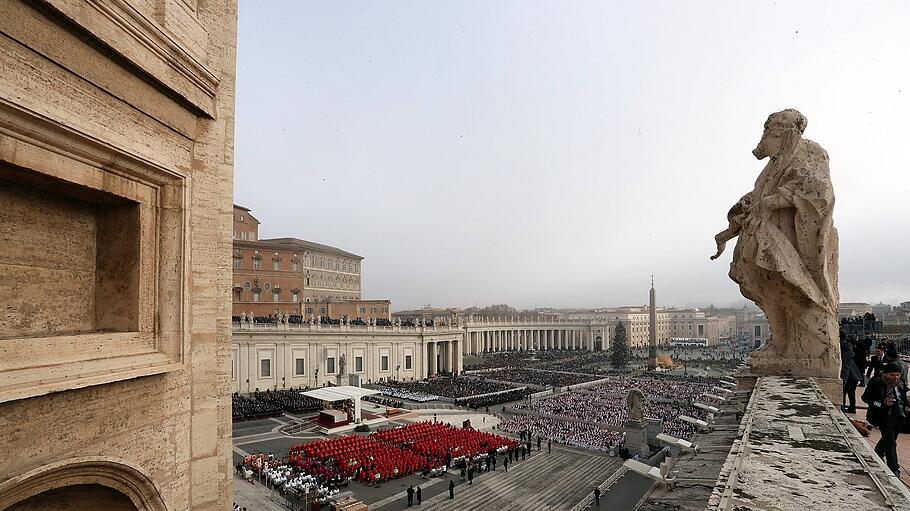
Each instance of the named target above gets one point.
<point>791,257</point>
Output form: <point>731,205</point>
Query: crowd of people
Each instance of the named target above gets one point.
<point>580,434</point>
<point>878,366</point>
<point>322,466</point>
<point>246,408</point>
<point>363,459</point>
<point>298,476</point>
<point>578,417</point>
<point>390,403</point>
<point>457,387</point>
<point>494,399</point>
<point>539,377</point>
<point>289,400</point>
<point>441,444</point>
<point>405,393</point>
<point>271,403</point>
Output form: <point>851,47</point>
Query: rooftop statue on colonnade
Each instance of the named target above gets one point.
<point>786,257</point>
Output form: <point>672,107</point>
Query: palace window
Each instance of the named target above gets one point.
<point>295,266</point>
<point>237,261</point>
<point>299,367</point>
<point>330,365</point>
<point>257,264</point>
<point>276,264</point>
<point>295,296</point>
<point>276,296</point>
<point>358,364</point>
<point>255,296</point>
<point>407,361</point>
<point>384,363</point>
<point>265,368</point>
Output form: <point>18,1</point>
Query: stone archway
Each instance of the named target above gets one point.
<point>82,479</point>
<point>76,497</point>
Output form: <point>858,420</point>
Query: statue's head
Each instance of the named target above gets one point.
<point>783,130</point>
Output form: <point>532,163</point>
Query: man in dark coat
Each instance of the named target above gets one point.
<point>886,396</point>
<point>411,495</point>
<point>876,362</point>
<point>850,375</point>
<point>419,496</point>
<point>860,358</point>
<point>451,489</point>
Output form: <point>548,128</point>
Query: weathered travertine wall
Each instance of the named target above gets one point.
<point>116,176</point>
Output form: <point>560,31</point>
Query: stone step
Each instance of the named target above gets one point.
<point>545,482</point>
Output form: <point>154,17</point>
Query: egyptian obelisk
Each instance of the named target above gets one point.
<point>652,329</point>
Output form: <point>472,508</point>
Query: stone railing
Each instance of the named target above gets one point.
<point>328,328</point>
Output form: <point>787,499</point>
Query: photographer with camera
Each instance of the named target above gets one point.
<point>886,396</point>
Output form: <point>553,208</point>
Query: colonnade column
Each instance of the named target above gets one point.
<point>431,358</point>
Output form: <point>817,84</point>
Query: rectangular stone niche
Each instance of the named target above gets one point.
<point>91,272</point>
<point>69,258</point>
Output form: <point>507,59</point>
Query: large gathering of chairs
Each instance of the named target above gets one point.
<point>364,459</point>
<point>420,447</point>
<point>439,443</point>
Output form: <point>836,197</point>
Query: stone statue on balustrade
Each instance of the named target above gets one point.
<point>634,404</point>
<point>242,317</point>
<point>342,364</point>
<point>786,255</point>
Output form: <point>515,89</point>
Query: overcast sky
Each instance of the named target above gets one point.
<point>558,153</point>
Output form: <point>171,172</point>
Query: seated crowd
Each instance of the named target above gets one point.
<point>289,400</point>
<point>391,403</point>
<point>459,387</point>
<point>360,458</point>
<point>441,444</point>
<point>296,476</point>
<point>388,454</point>
<point>666,398</point>
<point>541,378</point>
<point>245,408</point>
<point>579,434</point>
<point>401,393</point>
<point>486,401</point>
<point>271,403</point>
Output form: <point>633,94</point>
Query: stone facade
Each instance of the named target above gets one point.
<point>116,173</point>
<point>670,323</point>
<point>269,355</point>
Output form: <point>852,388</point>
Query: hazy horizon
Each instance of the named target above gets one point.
<point>556,155</point>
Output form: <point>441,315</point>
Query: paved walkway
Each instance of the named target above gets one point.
<point>548,481</point>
